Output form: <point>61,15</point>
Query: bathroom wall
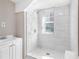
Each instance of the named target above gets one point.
<point>60,38</point>
<point>20,29</point>
<point>7,16</point>
<point>78,27</point>
<point>74,26</point>
<point>78,30</point>
<point>20,24</point>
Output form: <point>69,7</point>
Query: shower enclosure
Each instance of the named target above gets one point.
<point>48,31</point>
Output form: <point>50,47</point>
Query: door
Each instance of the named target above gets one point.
<point>31,30</point>
<point>6,51</point>
<point>13,48</point>
<point>17,48</point>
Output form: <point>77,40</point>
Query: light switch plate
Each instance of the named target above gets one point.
<point>3,24</point>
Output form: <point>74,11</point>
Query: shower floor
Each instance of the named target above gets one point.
<point>41,53</point>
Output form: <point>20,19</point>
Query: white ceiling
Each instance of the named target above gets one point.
<point>41,4</point>
<point>22,4</point>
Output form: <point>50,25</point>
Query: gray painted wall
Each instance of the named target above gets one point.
<point>60,39</point>
<point>7,15</point>
<point>20,24</point>
<point>20,29</point>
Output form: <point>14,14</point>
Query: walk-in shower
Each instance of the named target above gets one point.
<point>48,30</point>
<point>51,35</point>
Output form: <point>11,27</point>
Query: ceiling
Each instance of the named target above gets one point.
<point>22,4</point>
<point>41,4</point>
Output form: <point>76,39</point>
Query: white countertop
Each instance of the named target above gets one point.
<point>8,39</point>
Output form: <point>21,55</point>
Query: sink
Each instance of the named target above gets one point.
<point>3,37</point>
<point>6,37</point>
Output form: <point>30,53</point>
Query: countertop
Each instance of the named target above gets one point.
<point>8,40</point>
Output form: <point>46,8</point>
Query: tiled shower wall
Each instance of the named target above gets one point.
<point>60,38</point>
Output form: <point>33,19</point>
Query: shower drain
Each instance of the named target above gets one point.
<point>47,53</point>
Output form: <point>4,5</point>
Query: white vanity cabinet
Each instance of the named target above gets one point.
<point>18,48</point>
<point>11,49</point>
<point>6,51</point>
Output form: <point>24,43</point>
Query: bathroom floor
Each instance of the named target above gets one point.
<point>45,54</point>
<point>29,57</point>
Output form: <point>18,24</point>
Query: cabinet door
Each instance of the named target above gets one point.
<point>5,52</point>
<point>17,48</point>
<point>14,51</point>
